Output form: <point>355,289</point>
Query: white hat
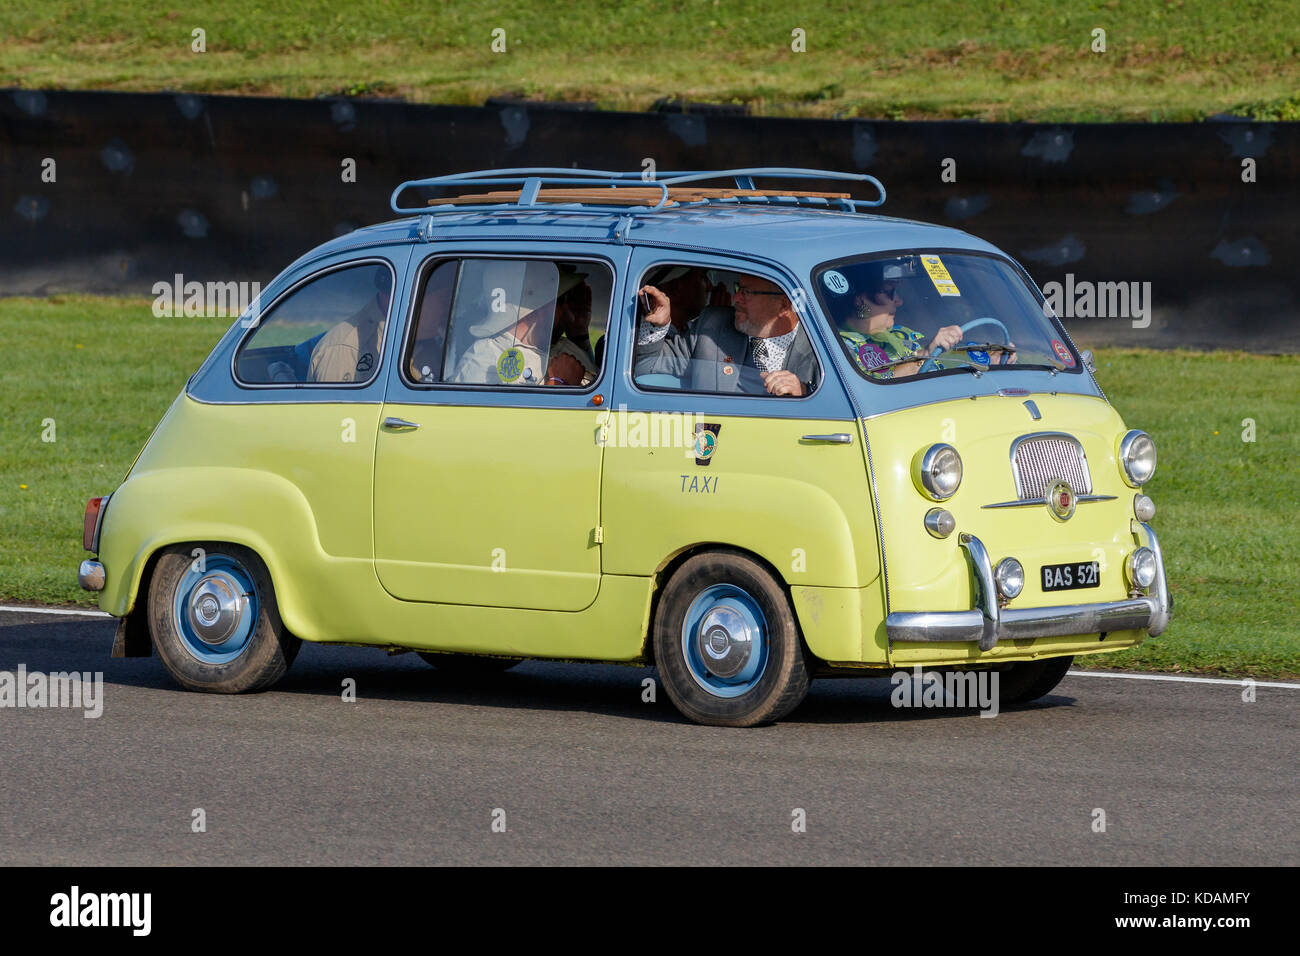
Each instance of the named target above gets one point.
<point>511,289</point>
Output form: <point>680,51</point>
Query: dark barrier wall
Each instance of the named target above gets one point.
<point>228,188</point>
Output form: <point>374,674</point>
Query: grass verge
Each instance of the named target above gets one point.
<point>987,59</point>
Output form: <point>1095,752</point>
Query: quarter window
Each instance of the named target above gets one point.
<point>328,331</point>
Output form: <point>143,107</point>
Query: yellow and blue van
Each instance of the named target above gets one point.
<point>751,436</point>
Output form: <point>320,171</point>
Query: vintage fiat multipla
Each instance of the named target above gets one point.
<point>751,436</point>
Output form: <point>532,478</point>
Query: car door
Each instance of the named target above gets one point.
<point>487,479</point>
<point>702,456</point>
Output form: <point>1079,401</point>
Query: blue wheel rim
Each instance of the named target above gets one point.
<point>198,592</point>
<point>725,641</point>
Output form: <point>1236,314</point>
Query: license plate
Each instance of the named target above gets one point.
<point>1067,577</point>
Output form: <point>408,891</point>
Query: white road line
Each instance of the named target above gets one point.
<point>51,610</point>
<point>1187,680</point>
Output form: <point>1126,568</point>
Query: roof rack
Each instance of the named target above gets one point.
<point>579,190</point>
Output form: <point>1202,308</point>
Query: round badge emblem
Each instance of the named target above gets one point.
<point>1063,353</point>
<point>1060,500</point>
<point>705,443</point>
<point>835,281</point>
<point>978,355</point>
<point>510,364</point>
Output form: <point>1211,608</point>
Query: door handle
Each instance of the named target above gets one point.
<point>400,424</point>
<point>839,438</point>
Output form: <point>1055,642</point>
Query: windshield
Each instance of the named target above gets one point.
<point>909,316</point>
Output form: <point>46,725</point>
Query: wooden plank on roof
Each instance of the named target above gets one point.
<point>627,195</point>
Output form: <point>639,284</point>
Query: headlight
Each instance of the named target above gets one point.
<point>1140,567</point>
<point>1009,577</point>
<point>936,471</point>
<point>1137,457</point>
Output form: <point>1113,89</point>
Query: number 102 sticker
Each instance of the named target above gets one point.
<point>835,281</point>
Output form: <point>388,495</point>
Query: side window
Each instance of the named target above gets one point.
<point>329,330</point>
<point>713,330</point>
<point>511,323</point>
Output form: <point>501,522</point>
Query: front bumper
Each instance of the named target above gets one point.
<point>988,623</point>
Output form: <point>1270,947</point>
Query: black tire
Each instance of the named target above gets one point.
<point>1029,680</point>
<point>468,665</point>
<point>782,683</point>
<point>268,650</point>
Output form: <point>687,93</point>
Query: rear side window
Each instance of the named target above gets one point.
<point>509,323</point>
<point>327,331</point>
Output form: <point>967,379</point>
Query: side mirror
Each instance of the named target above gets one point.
<point>1088,361</point>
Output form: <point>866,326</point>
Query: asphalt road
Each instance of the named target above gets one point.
<point>586,773</point>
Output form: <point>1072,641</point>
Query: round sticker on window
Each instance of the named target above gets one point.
<point>1063,353</point>
<point>977,355</point>
<point>836,282</point>
<point>510,365</point>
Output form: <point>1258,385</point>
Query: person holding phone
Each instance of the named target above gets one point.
<point>756,346</point>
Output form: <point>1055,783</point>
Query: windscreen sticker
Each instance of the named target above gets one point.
<point>938,273</point>
<point>1063,353</point>
<point>836,282</point>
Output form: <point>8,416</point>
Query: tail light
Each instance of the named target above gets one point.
<point>90,524</point>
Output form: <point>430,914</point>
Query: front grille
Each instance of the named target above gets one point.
<point>1040,461</point>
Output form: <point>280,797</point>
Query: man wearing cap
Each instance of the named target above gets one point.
<point>688,292</point>
<point>756,346</point>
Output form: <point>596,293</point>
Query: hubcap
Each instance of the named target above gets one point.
<point>216,609</point>
<point>724,640</point>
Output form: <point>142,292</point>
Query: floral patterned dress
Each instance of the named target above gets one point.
<point>873,350</point>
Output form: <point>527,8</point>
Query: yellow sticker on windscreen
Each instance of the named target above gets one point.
<point>938,272</point>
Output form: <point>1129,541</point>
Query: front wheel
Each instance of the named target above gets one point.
<point>214,619</point>
<point>726,643</point>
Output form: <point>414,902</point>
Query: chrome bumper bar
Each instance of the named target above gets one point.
<point>988,623</point>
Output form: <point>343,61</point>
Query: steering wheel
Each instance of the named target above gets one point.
<point>929,366</point>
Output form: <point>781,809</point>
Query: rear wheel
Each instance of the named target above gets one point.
<point>469,665</point>
<point>1029,680</point>
<point>726,643</point>
<point>214,619</point>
